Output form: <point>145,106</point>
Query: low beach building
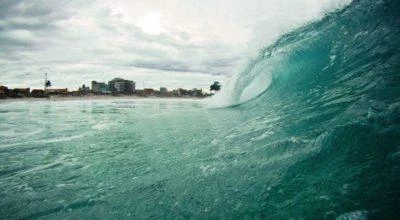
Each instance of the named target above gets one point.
<point>148,91</point>
<point>20,92</point>
<point>63,92</point>
<point>38,93</point>
<point>163,90</point>
<point>196,92</point>
<point>139,92</point>
<point>181,92</point>
<point>3,91</point>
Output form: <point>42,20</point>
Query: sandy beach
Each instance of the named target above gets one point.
<point>89,97</point>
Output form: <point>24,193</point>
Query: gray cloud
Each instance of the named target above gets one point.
<point>37,36</point>
<point>188,41</point>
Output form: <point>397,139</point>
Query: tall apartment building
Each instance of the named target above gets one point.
<point>121,86</point>
<point>100,88</point>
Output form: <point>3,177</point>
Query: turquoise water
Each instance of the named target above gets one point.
<point>113,159</point>
<point>313,132</point>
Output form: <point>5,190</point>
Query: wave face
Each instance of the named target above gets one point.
<point>356,45</point>
<point>334,87</point>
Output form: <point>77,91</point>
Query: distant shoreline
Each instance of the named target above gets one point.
<point>92,97</point>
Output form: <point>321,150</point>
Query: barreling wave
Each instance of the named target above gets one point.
<point>346,46</point>
<point>332,87</point>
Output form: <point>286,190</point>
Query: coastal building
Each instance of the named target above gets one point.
<point>20,92</point>
<point>196,92</point>
<point>38,93</point>
<point>148,91</point>
<point>63,92</point>
<point>181,92</point>
<point>121,86</point>
<point>188,93</point>
<point>100,88</point>
<point>139,92</point>
<point>163,90</point>
<point>3,91</point>
<point>84,90</point>
<point>168,94</point>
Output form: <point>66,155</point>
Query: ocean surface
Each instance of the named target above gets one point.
<point>311,131</point>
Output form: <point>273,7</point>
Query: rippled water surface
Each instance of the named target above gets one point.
<point>134,159</point>
<point>141,158</point>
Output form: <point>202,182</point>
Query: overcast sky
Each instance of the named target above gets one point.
<point>172,43</point>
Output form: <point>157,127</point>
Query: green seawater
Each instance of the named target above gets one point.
<point>177,159</point>
<point>116,159</point>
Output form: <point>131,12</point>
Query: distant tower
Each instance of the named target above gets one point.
<point>47,82</point>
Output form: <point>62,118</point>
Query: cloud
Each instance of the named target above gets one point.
<point>145,40</point>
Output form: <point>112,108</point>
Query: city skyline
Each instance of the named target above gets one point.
<point>114,87</point>
<point>138,85</point>
<point>109,86</point>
